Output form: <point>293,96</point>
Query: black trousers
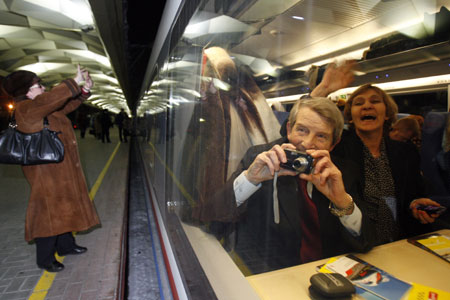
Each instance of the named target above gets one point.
<point>122,136</point>
<point>47,246</point>
<point>105,135</point>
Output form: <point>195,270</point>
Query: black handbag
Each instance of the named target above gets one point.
<point>20,148</point>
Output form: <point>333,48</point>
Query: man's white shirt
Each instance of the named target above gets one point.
<point>243,189</point>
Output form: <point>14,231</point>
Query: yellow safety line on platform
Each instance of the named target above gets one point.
<point>46,280</point>
<point>99,180</point>
<point>175,180</point>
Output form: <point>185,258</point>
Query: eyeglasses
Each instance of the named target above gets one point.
<point>36,85</point>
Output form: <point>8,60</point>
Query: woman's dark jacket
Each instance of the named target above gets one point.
<point>404,161</point>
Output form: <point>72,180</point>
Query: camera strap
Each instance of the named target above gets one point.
<point>276,205</point>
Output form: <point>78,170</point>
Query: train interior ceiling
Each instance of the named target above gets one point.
<point>403,46</point>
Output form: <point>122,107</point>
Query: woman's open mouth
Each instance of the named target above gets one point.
<point>368,118</point>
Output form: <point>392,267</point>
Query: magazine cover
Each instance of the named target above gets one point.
<point>369,278</point>
<point>435,243</point>
<point>372,283</point>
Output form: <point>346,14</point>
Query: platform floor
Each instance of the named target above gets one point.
<point>93,275</point>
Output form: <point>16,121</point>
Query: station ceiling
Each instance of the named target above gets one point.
<point>110,38</point>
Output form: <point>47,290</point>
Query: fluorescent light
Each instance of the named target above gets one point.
<point>298,18</point>
<point>40,68</point>
<point>180,65</point>
<point>192,92</point>
<point>387,86</point>
<point>157,83</point>
<point>285,98</point>
<point>105,77</point>
<point>357,54</point>
<point>402,84</point>
<point>91,55</point>
<point>98,101</point>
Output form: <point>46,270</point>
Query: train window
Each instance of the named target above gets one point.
<point>228,83</point>
<point>420,103</point>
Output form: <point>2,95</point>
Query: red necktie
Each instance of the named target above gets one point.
<point>311,247</point>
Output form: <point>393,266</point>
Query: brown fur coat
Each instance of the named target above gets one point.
<point>59,200</point>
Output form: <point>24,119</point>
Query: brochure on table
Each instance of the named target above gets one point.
<point>435,243</point>
<point>373,283</point>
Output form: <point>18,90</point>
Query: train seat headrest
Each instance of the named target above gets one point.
<point>434,121</point>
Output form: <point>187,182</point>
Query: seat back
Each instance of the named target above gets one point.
<point>432,152</point>
<point>402,115</point>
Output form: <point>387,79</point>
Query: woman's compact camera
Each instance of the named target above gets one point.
<point>298,161</point>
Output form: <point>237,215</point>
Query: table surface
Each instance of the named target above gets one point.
<point>401,259</point>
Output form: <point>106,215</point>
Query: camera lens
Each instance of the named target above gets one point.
<point>300,164</point>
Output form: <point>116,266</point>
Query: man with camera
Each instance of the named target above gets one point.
<point>299,205</point>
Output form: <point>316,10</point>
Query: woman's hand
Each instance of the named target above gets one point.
<point>334,78</point>
<point>79,76</point>
<point>88,83</point>
<point>422,215</point>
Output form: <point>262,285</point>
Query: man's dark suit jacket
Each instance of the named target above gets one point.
<point>281,242</point>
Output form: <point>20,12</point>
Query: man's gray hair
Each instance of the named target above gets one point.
<point>326,109</point>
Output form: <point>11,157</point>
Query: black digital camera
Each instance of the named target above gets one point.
<point>298,161</point>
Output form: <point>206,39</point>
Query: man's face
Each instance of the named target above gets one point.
<point>310,131</point>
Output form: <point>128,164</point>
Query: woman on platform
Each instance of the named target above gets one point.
<point>59,202</point>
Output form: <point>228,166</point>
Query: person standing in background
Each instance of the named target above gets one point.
<point>82,123</point>
<point>119,120</point>
<point>106,123</point>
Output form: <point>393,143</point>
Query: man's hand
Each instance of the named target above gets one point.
<point>421,215</point>
<point>267,163</point>
<point>334,78</point>
<point>327,178</point>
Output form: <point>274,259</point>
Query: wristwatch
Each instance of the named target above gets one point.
<point>340,212</point>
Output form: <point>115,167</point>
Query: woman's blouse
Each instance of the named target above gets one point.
<point>379,191</point>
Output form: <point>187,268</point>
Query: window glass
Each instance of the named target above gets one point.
<point>229,83</point>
